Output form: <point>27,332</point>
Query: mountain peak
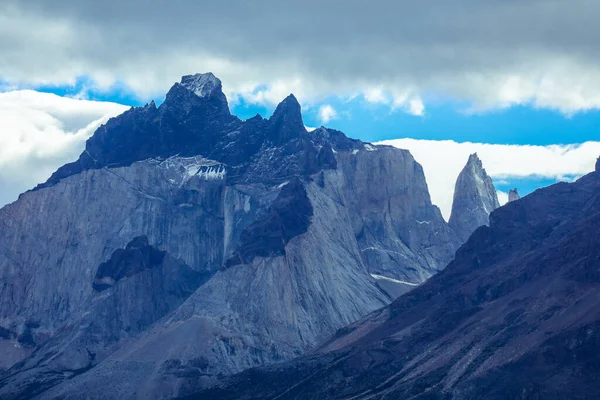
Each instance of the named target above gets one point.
<point>287,118</point>
<point>598,165</point>
<point>288,106</point>
<point>202,85</point>
<point>474,160</point>
<point>474,199</point>
<point>513,195</point>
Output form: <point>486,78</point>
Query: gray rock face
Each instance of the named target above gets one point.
<point>401,235</point>
<point>513,195</point>
<point>474,199</point>
<point>136,287</point>
<point>156,277</point>
<point>516,315</point>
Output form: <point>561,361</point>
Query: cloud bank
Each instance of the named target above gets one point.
<point>443,160</point>
<point>489,54</point>
<point>39,132</point>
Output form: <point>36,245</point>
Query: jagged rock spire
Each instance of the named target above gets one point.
<point>513,195</point>
<point>286,120</point>
<point>474,199</point>
<point>598,165</point>
<point>288,108</point>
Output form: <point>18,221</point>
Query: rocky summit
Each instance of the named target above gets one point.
<point>474,199</point>
<point>185,245</point>
<point>516,315</point>
<point>513,195</point>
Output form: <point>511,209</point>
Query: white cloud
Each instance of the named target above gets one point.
<point>327,113</point>
<point>39,132</point>
<point>502,197</point>
<point>416,107</point>
<point>443,160</point>
<point>407,101</point>
<point>376,96</point>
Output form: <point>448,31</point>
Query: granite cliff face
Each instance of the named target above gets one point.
<point>474,199</point>
<point>516,315</point>
<point>185,245</point>
<point>513,195</point>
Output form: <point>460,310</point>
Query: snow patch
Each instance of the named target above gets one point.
<point>387,278</point>
<point>179,170</point>
<point>355,151</point>
<point>202,85</point>
<point>370,147</point>
<point>371,248</point>
<point>212,173</point>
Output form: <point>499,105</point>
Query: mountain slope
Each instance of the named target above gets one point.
<point>474,199</point>
<point>281,237</point>
<point>515,315</point>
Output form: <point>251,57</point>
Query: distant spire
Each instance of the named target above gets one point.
<point>473,158</point>
<point>474,199</point>
<point>287,120</point>
<point>513,195</point>
<point>289,108</point>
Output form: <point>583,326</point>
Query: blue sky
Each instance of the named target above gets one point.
<point>515,125</point>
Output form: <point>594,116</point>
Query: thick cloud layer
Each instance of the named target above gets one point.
<point>488,53</point>
<point>443,160</point>
<point>39,132</point>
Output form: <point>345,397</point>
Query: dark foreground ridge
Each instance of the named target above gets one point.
<point>515,315</point>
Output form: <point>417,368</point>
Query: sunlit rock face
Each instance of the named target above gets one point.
<point>185,245</point>
<point>474,199</point>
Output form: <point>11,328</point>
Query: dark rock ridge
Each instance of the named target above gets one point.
<point>186,245</point>
<point>516,315</point>
<point>474,199</point>
<point>288,216</point>
<point>195,120</point>
<point>513,195</point>
<point>135,258</point>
